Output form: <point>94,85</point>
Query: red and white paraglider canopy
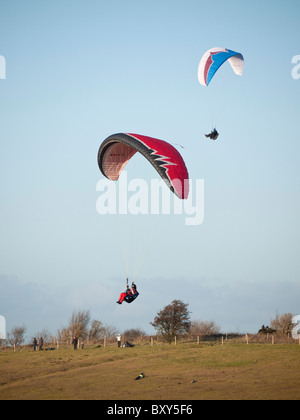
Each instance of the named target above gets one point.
<point>117,149</point>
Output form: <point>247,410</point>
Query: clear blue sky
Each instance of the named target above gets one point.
<point>78,71</point>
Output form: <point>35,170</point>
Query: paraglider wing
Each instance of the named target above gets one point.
<point>213,59</point>
<point>117,149</point>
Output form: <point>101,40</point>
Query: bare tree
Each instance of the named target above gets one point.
<point>204,328</point>
<point>16,336</point>
<point>78,324</point>
<point>110,331</point>
<point>133,332</point>
<point>47,337</point>
<point>172,320</point>
<point>282,324</point>
<point>96,331</point>
<point>64,335</point>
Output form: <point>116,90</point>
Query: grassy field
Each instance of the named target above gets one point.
<point>182,372</point>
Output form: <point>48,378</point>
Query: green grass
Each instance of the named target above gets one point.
<point>232,371</point>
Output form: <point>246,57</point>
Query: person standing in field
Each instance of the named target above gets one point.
<point>34,344</point>
<point>41,343</point>
<point>75,342</point>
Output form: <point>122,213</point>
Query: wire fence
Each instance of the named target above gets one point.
<point>129,341</point>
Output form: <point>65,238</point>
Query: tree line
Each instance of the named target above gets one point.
<point>173,320</point>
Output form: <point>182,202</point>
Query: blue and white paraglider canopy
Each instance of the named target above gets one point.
<point>213,59</point>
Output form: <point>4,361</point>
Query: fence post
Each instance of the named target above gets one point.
<point>222,340</point>
<point>197,339</point>
<point>175,340</point>
<point>151,341</point>
<point>272,338</point>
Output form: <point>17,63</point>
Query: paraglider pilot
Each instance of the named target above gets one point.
<point>213,135</point>
<point>133,292</point>
<point>130,293</point>
<point>124,294</point>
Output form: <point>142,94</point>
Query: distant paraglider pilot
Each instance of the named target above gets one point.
<point>129,295</point>
<point>213,135</point>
